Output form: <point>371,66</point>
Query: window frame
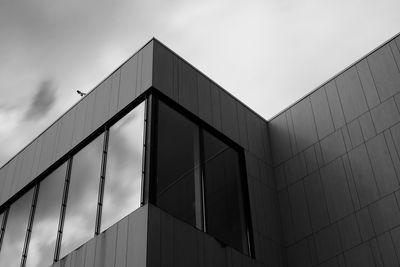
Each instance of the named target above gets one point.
<point>202,126</point>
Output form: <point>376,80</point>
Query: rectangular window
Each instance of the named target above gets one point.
<point>15,231</point>
<point>198,178</point>
<point>45,224</point>
<point>122,190</point>
<point>80,215</point>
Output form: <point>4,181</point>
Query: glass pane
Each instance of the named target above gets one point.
<point>223,196</point>
<point>45,224</point>
<point>212,146</point>
<point>177,146</point>
<point>124,168</point>
<point>81,208</point>
<point>14,236</point>
<point>179,199</point>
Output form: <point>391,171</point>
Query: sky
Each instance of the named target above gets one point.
<point>266,53</point>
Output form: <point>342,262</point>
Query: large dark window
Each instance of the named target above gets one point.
<point>223,196</point>
<point>198,178</point>
<point>178,143</point>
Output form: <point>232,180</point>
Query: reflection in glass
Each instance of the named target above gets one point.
<point>14,236</point>
<point>124,168</point>
<point>179,199</point>
<point>223,195</point>
<point>177,143</point>
<point>1,225</point>
<point>178,157</point>
<point>45,224</point>
<point>81,207</point>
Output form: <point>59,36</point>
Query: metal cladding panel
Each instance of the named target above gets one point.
<point>79,121</point>
<point>322,114</point>
<point>280,141</point>
<point>351,94</point>
<point>128,82</point>
<point>163,69</point>
<point>334,104</point>
<point>147,67</point>
<point>385,72</point>
<point>64,138</point>
<point>105,247</point>
<point>101,103</point>
<point>243,135</point>
<point>305,130</point>
<point>8,180</point>
<point>216,107</point>
<point>3,175</point>
<point>122,241</point>
<point>17,174</point>
<point>204,93</point>
<point>89,114</point>
<point>114,92</point>
<point>27,165</point>
<point>229,117</point>
<point>255,135</point>
<point>48,147</point>
<point>187,84</point>
<point>137,237</point>
<point>172,242</point>
<point>367,82</point>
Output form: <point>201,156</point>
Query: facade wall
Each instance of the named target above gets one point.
<point>102,103</point>
<point>172,242</point>
<point>123,244</point>
<point>336,157</point>
<point>191,89</point>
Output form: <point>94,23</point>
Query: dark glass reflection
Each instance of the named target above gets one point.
<point>223,196</point>
<point>45,224</point>
<point>178,154</point>
<point>179,199</point>
<point>177,144</point>
<point>124,168</point>
<point>14,236</point>
<point>81,207</point>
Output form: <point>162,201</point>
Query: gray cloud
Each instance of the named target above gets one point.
<point>42,101</point>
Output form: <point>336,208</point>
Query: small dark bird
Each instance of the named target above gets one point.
<point>81,93</point>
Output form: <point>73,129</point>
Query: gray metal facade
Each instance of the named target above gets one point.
<point>337,167</point>
<point>323,176</point>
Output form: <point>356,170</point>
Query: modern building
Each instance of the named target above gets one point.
<point>160,166</point>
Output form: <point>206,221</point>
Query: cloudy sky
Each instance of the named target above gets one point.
<point>267,53</point>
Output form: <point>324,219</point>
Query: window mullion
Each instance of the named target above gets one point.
<point>29,227</point>
<point>62,211</point>
<point>3,226</point>
<point>202,185</point>
<point>102,183</point>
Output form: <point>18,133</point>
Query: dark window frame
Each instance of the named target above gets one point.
<point>202,126</point>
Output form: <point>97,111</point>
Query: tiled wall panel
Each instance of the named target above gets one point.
<point>385,72</point>
<point>350,172</point>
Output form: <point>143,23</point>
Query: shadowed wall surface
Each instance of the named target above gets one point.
<point>337,167</point>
